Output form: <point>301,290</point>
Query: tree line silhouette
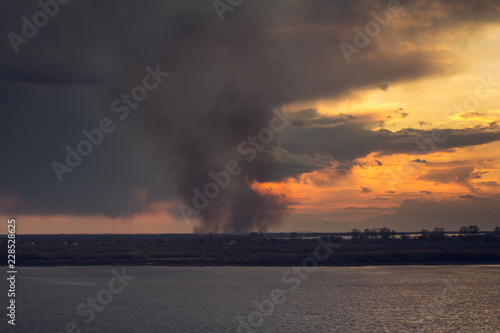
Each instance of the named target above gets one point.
<point>437,234</point>
<point>376,246</point>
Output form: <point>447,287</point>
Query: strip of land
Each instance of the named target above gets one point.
<point>255,249</point>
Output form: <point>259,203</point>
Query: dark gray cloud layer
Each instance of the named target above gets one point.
<point>226,77</point>
<point>354,140</point>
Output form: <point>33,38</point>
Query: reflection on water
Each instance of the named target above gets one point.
<point>259,299</point>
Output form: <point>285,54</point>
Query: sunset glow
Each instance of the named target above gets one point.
<point>396,126</point>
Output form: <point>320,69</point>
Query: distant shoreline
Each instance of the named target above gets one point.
<point>252,250</point>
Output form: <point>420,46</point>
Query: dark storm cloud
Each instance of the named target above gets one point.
<point>426,213</point>
<point>488,184</point>
<point>278,164</point>
<point>423,213</point>
<point>40,126</point>
<point>449,214</point>
<point>311,118</point>
<point>470,197</point>
<point>226,78</point>
<point>461,175</point>
<point>353,140</point>
<point>458,175</point>
<point>365,189</point>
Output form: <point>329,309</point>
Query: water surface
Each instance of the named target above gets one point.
<point>219,299</point>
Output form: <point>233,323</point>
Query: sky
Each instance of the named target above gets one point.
<point>237,116</point>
